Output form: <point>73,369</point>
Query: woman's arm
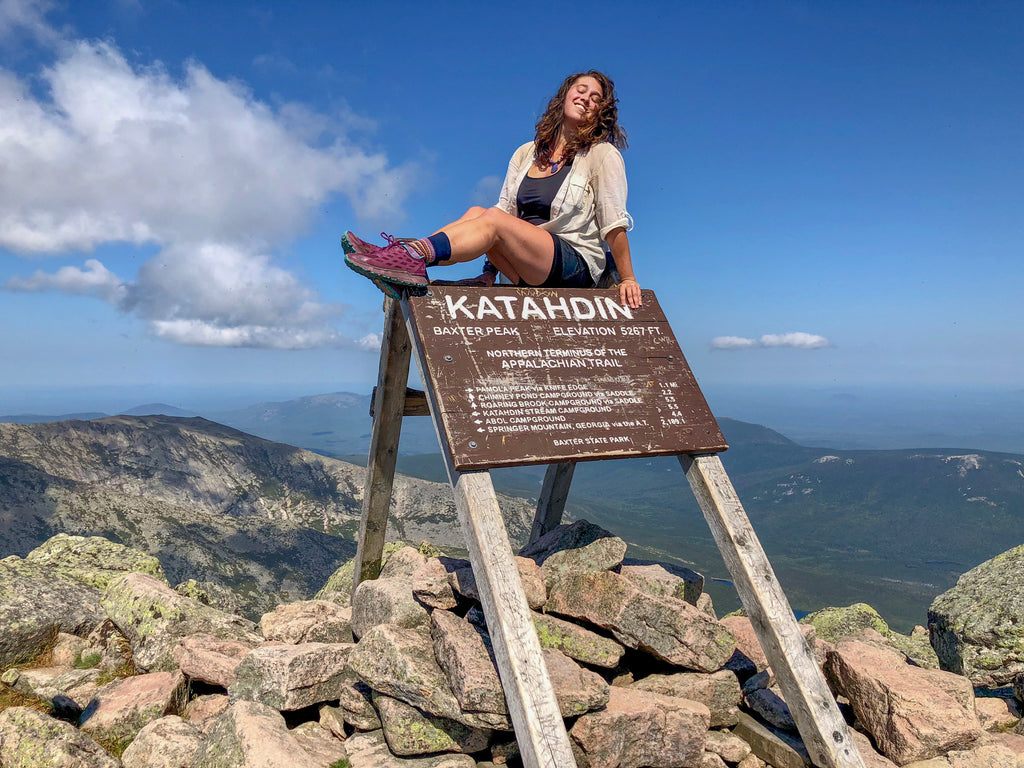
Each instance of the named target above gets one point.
<point>629,288</point>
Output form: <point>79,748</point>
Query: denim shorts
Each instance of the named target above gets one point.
<point>568,269</point>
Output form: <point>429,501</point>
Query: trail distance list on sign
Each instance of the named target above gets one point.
<point>535,375</point>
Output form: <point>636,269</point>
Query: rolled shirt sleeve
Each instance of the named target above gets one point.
<point>610,191</point>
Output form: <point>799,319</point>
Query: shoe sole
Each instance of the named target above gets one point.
<point>415,289</point>
<point>388,290</point>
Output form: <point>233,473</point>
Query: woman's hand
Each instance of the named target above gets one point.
<point>629,293</point>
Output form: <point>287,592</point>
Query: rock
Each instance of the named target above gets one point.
<point>411,732</point>
<point>93,560</point>
<point>355,704</point>
<point>308,621</point>
<point>577,690</point>
<point>774,747</point>
<point>867,751</point>
<point>400,663</point>
<point>120,709</point>
<point>638,728</point>
<point>579,547</point>
<point>386,601</point>
<point>203,711</point>
<point>114,649</point>
<point>369,750</point>
<point>464,582</point>
<point>732,749</point>
<point>214,595</point>
<point>402,563</point>
<point>711,760</point>
<point>464,652</point>
<point>321,746</point>
<point>35,606</point>
<point>665,580</point>
<point>576,642</point>
<point>995,713</point>
<point>67,651</point>
<point>338,588</point>
<point>252,735</point>
<point>835,624</point>
<point>666,627</point>
<point>975,626</point>
<point>431,585</point>
<point>154,618</point>
<point>208,659</point>
<point>30,739</point>
<point>771,708</point>
<point>748,644</point>
<point>718,691</point>
<point>984,756</point>
<point>169,742</point>
<point>78,685</point>
<point>911,713</point>
<point>288,677</point>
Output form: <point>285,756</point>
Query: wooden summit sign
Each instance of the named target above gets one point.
<point>536,376</point>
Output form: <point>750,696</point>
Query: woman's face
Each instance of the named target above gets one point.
<point>582,99</point>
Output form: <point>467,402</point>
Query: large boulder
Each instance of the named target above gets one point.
<point>30,739</point>
<point>288,677</point>
<point>209,659</point>
<point>581,546</point>
<point>308,621</point>
<point>976,626</point>
<point>666,627</point>
<point>155,618</point>
<point>36,605</point>
<point>387,600</point>
<point>848,623</point>
<point>910,712</point>
<point>576,642</point>
<point>120,709</point>
<point>411,732</point>
<point>93,560</point>
<point>169,742</point>
<point>252,735</point>
<point>718,691</point>
<point>369,750</point>
<point>638,728</point>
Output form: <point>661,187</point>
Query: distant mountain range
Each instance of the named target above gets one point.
<point>268,520</point>
<point>893,528</point>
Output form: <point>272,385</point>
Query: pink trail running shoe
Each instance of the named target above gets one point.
<point>389,267</point>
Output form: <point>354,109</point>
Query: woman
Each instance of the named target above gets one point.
<point>563,194</point>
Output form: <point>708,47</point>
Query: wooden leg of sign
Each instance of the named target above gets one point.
<point>532,706</point>
<point>388,406</point>
<point>551,505</point>
<point>822,728</point>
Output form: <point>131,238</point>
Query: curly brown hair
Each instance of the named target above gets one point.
<point>603,126</point>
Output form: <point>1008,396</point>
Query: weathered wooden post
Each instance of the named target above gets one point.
<point>555,376</point>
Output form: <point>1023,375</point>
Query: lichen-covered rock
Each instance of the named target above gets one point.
<point>666,627</point>
<point>464,652</point>
<point>154,618</point>
<point>718,691</point>
<point>288,677</point>
<point>252,735</point>
<point>411,732</point>
<point>400,663</point>
<point>732,749</point>
<point>431,583</point>
<point>911,713</point>
<point>581,546</point>
<point>210,659</point>
<point>663,579</point>
<point>996,713</point>
<point>203,711</point>
<point>386,601</point>
<point>576,642</point>
<point>214,595</point>
<point>835,624</point>
<point>402,563</point>
<point>30,739</point>
<point>638,728</point>
<point>169,742</point>
<point>36,605</point>
<point>975,626</point>
<point>93,560</point>
<point>338,587</point>
<point>120,709</point>
<point>355,705</point>
<point>577,690</point>
<point>369,750</point>
<point>308,621</point>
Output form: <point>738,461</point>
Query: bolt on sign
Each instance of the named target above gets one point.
<point>538,375</point>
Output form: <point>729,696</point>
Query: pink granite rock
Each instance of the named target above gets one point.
<point>120,709</point>
<point>910,712</point>
<point>308,621</point>
<point>209,659</point>
<point>638,729</point>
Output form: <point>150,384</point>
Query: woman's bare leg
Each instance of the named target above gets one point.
<point>516,247</point>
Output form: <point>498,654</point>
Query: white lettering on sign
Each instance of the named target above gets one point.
<point>527,308</point>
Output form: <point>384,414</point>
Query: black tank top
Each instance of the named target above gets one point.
<point>533,201</point>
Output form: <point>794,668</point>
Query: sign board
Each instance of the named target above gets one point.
<point>536,376</point>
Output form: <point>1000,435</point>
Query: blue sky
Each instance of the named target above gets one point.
<point>825,194</point>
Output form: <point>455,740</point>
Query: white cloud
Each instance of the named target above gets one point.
<point>26,16</point>
<point>116,152</point>
<point>795,340</point>
<point>95,280</point>
<point>487,191</point>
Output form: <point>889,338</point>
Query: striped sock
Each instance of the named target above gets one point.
<point>431,249</point>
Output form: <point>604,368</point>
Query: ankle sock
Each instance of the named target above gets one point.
<point>431,249</point>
